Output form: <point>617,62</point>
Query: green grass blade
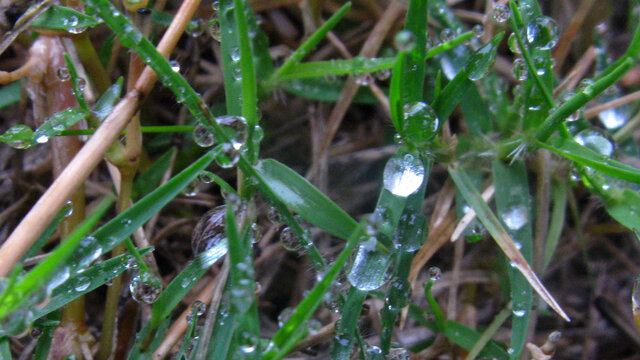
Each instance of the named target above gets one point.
<point>18,294</point>
<point>10,94</point>
<point>500,235</point>
<point>107,100</point>
<point>57,123</point>
<point>75,84</point>
<point>57,18</point>
<point>582,155</point>
<point>5,351</point>
<point>306,47</point>
<point>136,354</point>
<point>152,176</point>
<point>514,207</point>
<point>43,345</point>
<point>241,274</point>
<point>345,338</point>
<point>305,199</point>
<point>249,84</point>
<point>322,89</point>
<point>47,233</point>
<point>85,282</point>
<point>625,208</point>
<point>446,46</point>
<point>559,199</point>
<point>357,65</point>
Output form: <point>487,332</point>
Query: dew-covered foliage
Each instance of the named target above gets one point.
<point>376,180</point>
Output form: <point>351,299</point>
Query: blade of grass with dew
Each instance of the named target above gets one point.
<point>499,234</point>
<point>514,207</point>
<point>305,199</point>
<point>474,230</point>
<point>18,294</point>
<point>475,113</point>
<point>284,340</point>
<point>306,47</point>
<point>558,212</point>
<point>232,47</point>
<point>105,103</point>
<point>453,61</point>
<point>136,353</point>
<point>41,352</point>
<point>345,337</point>
<point>57,18</point>
<point>18,137</point>
<point>358,64</point>
<point>322,89</point>
<point>182,284</point>
<point>582,155</point>
<point>10,94</point>
<point>47,233</point>
<point>57,123</point>
<point>85,282</point>
<point>152,176</point>
<point>454,91</point>
<point>188,337</point>
<point>222,334</point>
<point>75,84</point>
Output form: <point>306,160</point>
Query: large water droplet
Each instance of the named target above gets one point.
<point>63,74</point>
<point>595,141</point>
<point>209,232</point>
<point>145,287</point>
<point>403,176</point>
<point>515,217</point>
<point>520,70</point>
<point>513,44</point>
<point>202,136</point>
<point>420,123</point>
<point>369,268</point>
<point>501,13</point>
<point>289,240</point>
<point>213,27</point>
<point>195,27</point>
<point>404,41</point>
<point>542,33</point>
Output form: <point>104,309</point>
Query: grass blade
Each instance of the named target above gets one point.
<point>501,236</point>
<point>57,18</point>
<point>152,176</point>
<point>338,67</point>
<point>5,351</point>
<point>107,100</point>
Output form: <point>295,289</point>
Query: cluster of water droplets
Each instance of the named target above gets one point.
<point>235,128</point>
<point>403,175</point>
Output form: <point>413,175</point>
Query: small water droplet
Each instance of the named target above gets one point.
<point>519,313</point>
<point>289,240</point>
<point>420,124</point>
<point>542,33</point>
<point>235,54</point>
<point>145,287</point>
<point>198,307</point>
<point>515,217</point>
<point>520,70</point>
<point>435,273</point>
<point>501,13</point>
<point>213,28</point>
<point>403,176</point>
<point>478,30</point>
<point>175,65</point>
<point>202,136</point>
<point>404,41</point>
<point>447,35</point>
<point>209,232</point>
<point>195,27</point>
<point>63,74</point>
<point>81,283</point>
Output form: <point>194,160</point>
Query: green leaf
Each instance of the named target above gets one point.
<point>625,208</point>
<point>357,65</point>
<point>105,103</point>
<point>18,294</point>
<point>85,282</point>
<point>57,123</point>
<point>289,333</point>
<point>559,198</point>
<point>152,177</point>
<point>18,137</point>
<point>582,155</point>
<point>43,346</point>
<point>10,94</point>
<point>64,18</point>
<point>514,207</point>
<point>305,199</point>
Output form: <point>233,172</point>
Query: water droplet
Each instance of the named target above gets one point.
<point>198,307</point>
<point>195,27</point>
<point>404,41</point>
<point>447,35</point>
<point>229,157</point>
<point>482,61</point>
<point>595,141</point>
<point>42,139</point>
<point>478,30</point>
<point>203,137</point>
<point>403,176</point>
<point>289,240</point>
<point>145,287</point>
<point>519,313</point>
<point>515,217</point>
<point>235,54</point>
<point>71,21</point>
<point>542,33</point>
<point>420,123</point>
<point>209,232</point>
<point>213,28</point>
<point>540,64</point>
<point>132,262</point>
<point>81,283</point>
<point>501,13</point>
<point>520,70</point>
<point>586,86</point>
<point>374,353</point>
<point>513,44</point>
<point>284,316</point>
<point>67,209</point>
<point>35,332</point>
<point>63,74</point>
<point>175,65</point>
<point>362,274</point>
<point>435,273</point>
<point>363,80</point>
<point>273,215</point>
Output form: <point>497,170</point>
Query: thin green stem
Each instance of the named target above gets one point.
<point>435,308</point>
<point>489,332</point>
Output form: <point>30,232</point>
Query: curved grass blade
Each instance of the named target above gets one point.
<point>85,282</point>
<point>500,235</point>
<point>57,18</point>
<point>16,295</point>
<point>284,340</point>
<point>305,199</point>
<point>513,206</point>
<point>582,155</point>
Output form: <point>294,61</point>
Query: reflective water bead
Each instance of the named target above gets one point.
<point>374,353</point>
<point>213,28</point>
<point>145,287</point>
<point>206,177</point>
<point>382,74</point>
<point>481,62</point>
<point>81,83</point>
<point>195,27</point>
<point>404,41</point>
<point>363,80</point>
<point>514,46</point>
<point>273,215</point>
<point>515,217</point>
<point>67,209</point>
<point>175,65</point>
<point>403,176</point>
<point>229,157</point>
<point>203,137</point>
<point>501,13</point>
<point>235,127</point>
<point>595,141</point>
<point>478,30</point>
<point>435,273</point>
<point>210,230</point>
<point>447,35</point>
<point>420,123</point>
<point>542,33</point>
<point>192,188</point>
<point>198,307</point>
<point>81,283</point>
<point>63,74</point>
<point>284,316</point>
<point>520,70</point>
<point>289,240</point>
